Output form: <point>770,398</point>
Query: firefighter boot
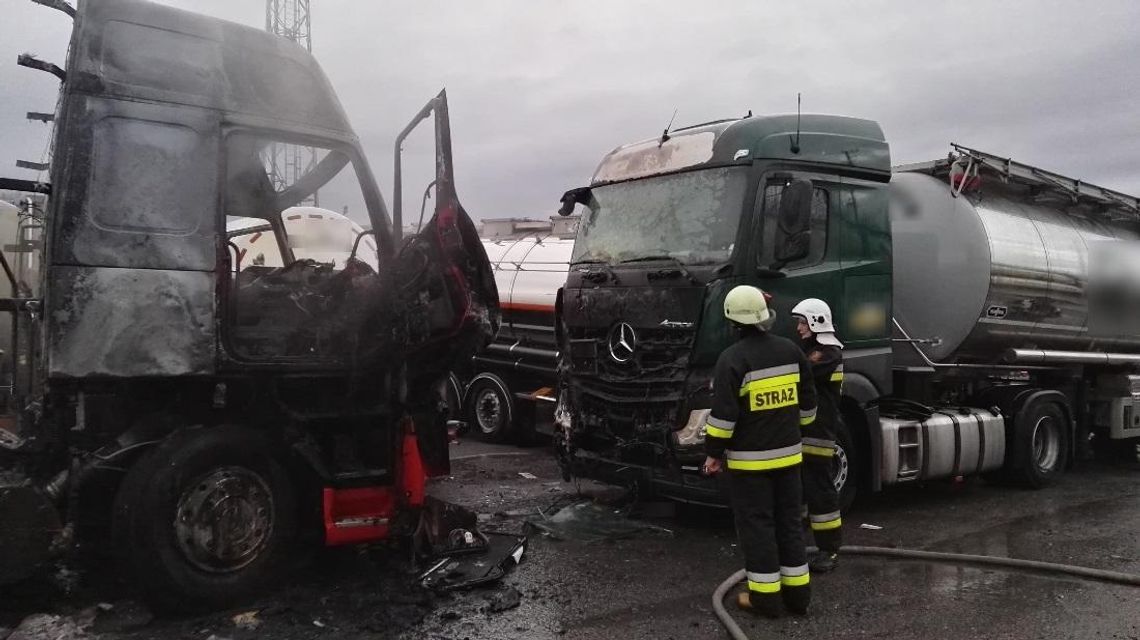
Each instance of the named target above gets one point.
<point>766,605</point>
<point>823,561</point>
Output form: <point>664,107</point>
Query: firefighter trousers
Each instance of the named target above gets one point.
<point>823,503</point>
<point>766,507</point>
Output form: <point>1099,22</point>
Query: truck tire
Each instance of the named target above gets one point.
<point>845,466</point>
<point>489,408</point>
<point>1040,444</point>
<point>205,519</point>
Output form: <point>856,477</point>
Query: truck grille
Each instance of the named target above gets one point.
<point>646,393</point>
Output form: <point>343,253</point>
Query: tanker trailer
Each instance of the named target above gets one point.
<point>514,376</point>
<point>987,307</point>
<point>1015,290</point>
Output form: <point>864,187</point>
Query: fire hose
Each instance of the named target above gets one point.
<point>1087,573</point>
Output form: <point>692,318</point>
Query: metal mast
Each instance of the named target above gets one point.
<point>288,162</point>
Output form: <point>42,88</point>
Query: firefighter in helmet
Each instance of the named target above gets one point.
<point>762,395</point>
<point>825,354</point>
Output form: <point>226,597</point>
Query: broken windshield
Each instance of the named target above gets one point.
<point>689,217</point>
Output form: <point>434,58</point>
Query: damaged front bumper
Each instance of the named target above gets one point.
<point>683,483</point>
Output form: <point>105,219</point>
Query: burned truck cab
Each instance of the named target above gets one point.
<point>199,405</point>
<point>668,227</point>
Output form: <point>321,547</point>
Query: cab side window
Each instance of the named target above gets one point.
<point>768,207</point>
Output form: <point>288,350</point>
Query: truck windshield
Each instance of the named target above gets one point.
<point>690,217</point>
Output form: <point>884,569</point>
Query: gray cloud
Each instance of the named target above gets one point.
<point>540,90</point>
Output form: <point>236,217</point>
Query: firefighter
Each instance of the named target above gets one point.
<point>762,395</point>
<point>825,354</point>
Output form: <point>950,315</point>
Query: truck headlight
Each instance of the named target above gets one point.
<point>693,433</point>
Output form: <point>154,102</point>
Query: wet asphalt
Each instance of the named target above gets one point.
<point>657,585</point>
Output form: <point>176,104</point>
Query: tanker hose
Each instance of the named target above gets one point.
<point>1087,573</point>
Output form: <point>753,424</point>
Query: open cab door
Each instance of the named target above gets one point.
<point>446,284</point>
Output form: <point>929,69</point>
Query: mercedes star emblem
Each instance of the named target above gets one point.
<point>623,341</point>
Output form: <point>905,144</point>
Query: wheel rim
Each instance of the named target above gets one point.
<point>224,519</point>
<point>1046,443</point>
<point>488,411</point>
<point>840,467</point>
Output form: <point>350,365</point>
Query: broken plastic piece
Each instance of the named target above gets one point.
<point>872,527</point>
<point>451,572</point>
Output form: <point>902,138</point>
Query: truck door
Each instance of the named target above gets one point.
<point>448,288</point>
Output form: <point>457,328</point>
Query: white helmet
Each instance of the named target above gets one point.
<point>818,317</point>
<point>747,305</point>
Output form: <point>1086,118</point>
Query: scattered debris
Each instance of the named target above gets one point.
<point>871,527</point>
<point>508,598</point>
<point>126,615</point>
<point>528,475</point>
<point>318,623</point>
<point>591,522</point>
<point>42,626</point>
<point>247,621</point>
<point>450,572</point>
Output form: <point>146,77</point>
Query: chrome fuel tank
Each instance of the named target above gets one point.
<point>989,272</point>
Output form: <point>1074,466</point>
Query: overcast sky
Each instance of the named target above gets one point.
<point>540,89</point>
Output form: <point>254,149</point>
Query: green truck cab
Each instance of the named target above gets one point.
<point>794,205</point>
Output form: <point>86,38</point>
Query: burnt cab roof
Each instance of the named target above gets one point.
<point>143,51</point>
<point>823,139</point>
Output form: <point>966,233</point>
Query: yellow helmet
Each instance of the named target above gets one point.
<point>748,305</point>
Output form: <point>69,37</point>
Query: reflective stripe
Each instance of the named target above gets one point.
<point>795,576</point>
<point>727,425</point>
<point>837,377</point>
<point>717,428</point>
<point>820,442</point>
<point>764,587</point>
<point>807,417</point>
<point>766,465</point>
<point>788,572</point>
<point>825,517</point>
<point>764,582</point>
<point>770,372</point>
<point>763,577</point>
<point>714,432</point>
<point>768,383</point>
<point>826,526</point>
<point>822,452</point>
<point>795,581</point>
<point>767,454</point>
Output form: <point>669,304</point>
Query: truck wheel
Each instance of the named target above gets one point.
<point>489,408</point>
<point>205,519</point>
<point>844,466</point>
<point>1040,445</point>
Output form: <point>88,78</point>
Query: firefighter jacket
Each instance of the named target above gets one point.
<point>827,372</point>
<point>762,394</point>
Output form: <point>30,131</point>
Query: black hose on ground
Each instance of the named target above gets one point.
<point>1087,573</point>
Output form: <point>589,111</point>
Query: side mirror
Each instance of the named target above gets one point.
<point>793,222</point>
<point>573,197</point>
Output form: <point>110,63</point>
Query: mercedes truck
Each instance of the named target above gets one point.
<point>988,308</point>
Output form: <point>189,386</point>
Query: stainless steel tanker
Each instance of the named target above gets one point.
<point>981,274</point>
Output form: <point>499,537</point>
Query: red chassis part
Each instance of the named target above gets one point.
<point>364,514</point>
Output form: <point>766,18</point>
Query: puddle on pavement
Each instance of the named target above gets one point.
<point>592,522</point>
